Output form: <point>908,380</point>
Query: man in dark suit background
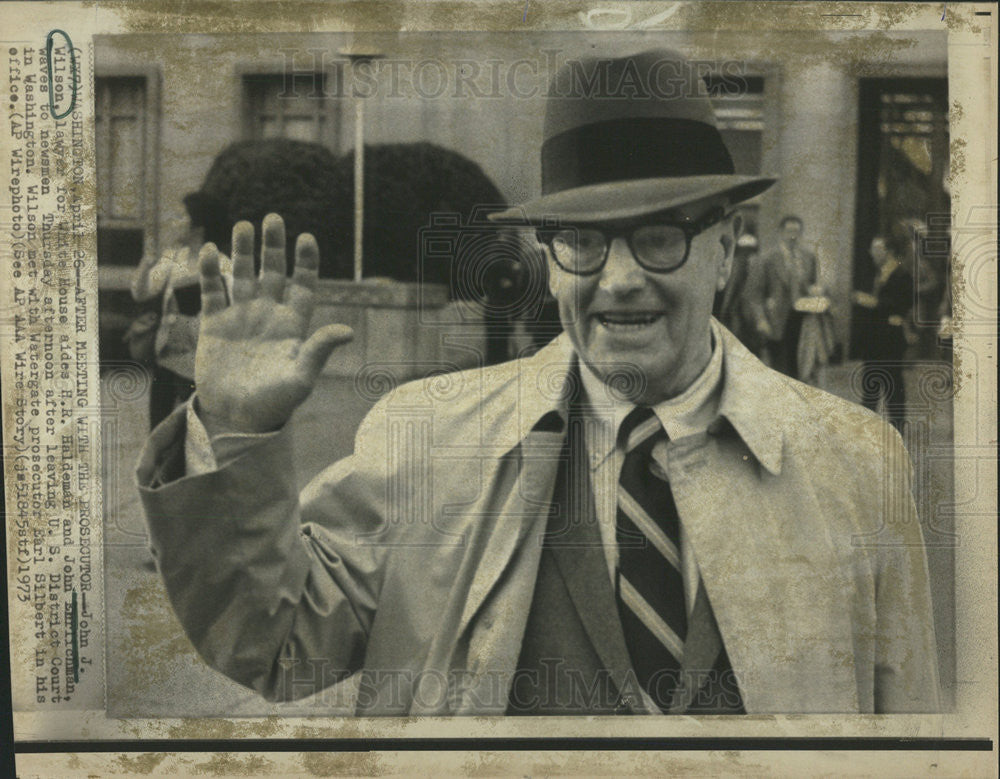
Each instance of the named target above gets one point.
<point>783,276</point>
<point>640,518</point>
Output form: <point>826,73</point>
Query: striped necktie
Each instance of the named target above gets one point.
<point>649,584</point>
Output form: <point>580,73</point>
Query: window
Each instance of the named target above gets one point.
<point>739,111</point>
<point>295,106</point>
<point>125,132</point>
<point>124,172</point>
<point>903,158</point>
<point>903,155</point>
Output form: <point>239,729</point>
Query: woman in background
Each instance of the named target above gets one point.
<point>174,275</point>
<point>888,332</point>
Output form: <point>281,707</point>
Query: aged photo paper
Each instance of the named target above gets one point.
<point>442,155</point>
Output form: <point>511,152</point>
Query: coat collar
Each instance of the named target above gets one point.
<point>548,380</point>
<point>755,401</point>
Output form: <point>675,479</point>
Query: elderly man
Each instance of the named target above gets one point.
<point>640,518</point>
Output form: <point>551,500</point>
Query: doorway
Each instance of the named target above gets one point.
<point>903,167</point>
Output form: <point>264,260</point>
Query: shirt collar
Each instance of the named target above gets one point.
<point>755,401</point>
<point>750,396</point>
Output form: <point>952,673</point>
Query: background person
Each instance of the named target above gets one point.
<point>784,275</point>
<point>887,332</point>
<point>173,277</point>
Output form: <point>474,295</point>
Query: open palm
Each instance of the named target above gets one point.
<point>255,364</point>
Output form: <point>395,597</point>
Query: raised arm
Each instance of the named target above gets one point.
<point>264,587</point>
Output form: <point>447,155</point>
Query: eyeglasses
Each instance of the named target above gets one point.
<point>659,245</point>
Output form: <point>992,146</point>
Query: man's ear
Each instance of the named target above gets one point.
<point>555,277</point>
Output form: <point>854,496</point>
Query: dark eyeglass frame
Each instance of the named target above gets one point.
<point>690,228</point>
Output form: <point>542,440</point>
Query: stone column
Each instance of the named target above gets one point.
<point>818,151</point>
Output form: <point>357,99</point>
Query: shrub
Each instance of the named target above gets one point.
<point>293,178</point>
<point>405,184</point>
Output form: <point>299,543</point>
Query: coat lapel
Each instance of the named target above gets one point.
<point>578,550</point>
<point>701,650</point>
<point>523,509</point>
<point>547,484</point>
<point>514,511</point>
<point>784,623</point>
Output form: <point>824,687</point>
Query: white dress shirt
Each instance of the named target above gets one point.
<point>689,413</point>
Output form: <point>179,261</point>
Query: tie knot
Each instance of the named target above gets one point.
<point>641,426</point>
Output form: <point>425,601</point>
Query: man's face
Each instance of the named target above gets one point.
<point>791,233</point>
<point>878,252</point>
<point>627,319</point>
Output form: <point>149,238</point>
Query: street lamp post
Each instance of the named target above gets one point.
<point>356,57</point>
<point>359,185</point>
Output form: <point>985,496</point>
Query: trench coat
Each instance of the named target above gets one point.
<point>413,561</point>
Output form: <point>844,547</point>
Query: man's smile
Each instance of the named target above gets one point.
<point>627,321</point>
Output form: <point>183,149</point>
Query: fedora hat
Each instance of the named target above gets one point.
<point>630,136</point>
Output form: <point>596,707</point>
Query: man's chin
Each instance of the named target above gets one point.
<point>630,377</point>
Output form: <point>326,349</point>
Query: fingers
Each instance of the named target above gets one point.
<point>272,264</point>
<point>316,350</point>
<point>244,281</point>
<point>272,281</point>
<point>213,291</point>
<point>299,293</point>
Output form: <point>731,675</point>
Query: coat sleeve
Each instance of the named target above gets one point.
<point>273,589</point>
<point>906,668</point>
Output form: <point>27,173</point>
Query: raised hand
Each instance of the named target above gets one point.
<point>254,363</point>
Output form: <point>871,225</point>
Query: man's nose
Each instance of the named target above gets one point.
<point>621,273</point>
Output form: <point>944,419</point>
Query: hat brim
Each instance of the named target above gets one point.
<point>626,199</point>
